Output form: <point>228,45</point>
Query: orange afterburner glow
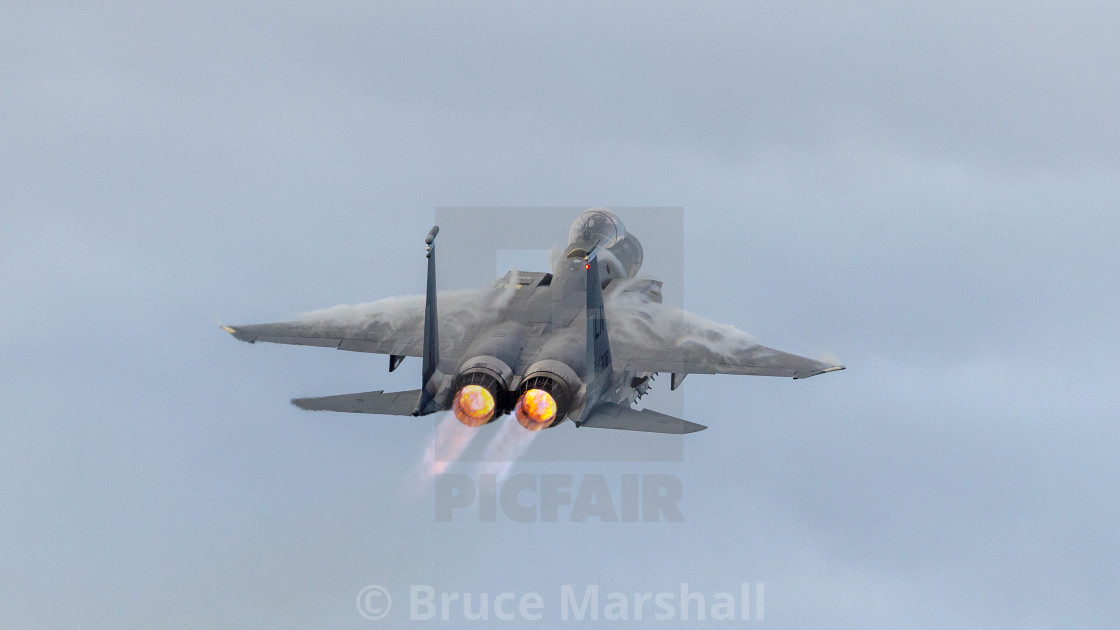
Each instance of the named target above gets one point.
<point>536,409</point>
<point>473,406</point>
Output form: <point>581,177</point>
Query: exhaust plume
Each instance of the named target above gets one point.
<point>507,446</point>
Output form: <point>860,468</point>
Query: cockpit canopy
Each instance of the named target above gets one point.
<point>599,228</point>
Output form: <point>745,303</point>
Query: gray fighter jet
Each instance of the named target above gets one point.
<point>580,343</point>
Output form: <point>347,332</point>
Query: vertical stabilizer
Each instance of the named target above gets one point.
<point>598,361</point>
<point>431,327</point>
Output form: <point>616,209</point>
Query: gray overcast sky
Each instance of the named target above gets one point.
<point>927,192</point>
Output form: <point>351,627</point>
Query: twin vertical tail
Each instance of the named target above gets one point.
<point>431,330</point>
<point>597,361</point>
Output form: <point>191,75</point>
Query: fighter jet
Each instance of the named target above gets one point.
<point>579,343</point>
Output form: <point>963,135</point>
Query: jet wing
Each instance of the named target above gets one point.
<point>613,416</point>
<point>686,359</point>
<point>650,337</point>
<point>405,340</point>
<point>393,326</point>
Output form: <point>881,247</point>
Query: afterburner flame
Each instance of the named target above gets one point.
<point>536,409</point>
<point>473,405</point>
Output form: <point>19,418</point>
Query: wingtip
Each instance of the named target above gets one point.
<point>240,333</point>
<point>692,427</point>
<point>830,368</point>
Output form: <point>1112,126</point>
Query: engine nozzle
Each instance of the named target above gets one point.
<point>543,398</point>
<point>535,410</point>
<point>481,391</point>
<point>474,405</point>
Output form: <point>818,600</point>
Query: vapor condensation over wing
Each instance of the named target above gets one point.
<point>460,314</point>
<point>633,317</point>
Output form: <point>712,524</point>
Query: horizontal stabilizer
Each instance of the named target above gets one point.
<point>612,416</point>
<point>391,404</point>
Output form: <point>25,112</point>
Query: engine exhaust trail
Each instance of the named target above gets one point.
<point>451,439</point>
<point>448,442</point>
<point>506,447</point>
